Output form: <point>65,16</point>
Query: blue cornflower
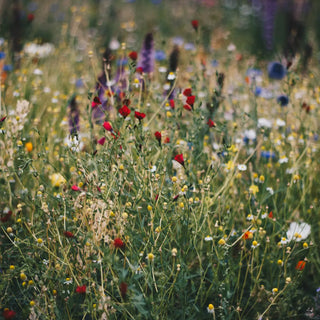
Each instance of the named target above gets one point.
<point>214,63</point>
<point>160,55</point>
<point>283,100</point>
<point>253,73</point>
<point>268,154</point>
<point>79,83</point>
<point>258,91</point>
<point>2,55</point>
<point>7,67</point>
<point>276,71</point>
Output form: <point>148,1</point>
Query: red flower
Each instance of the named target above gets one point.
<point>8,314</point>
<point>247,235</point>
<point>107,126</point>
<point>75,188</point>
<point>300,265</point>
<point>139,115</point>
<point>3,118</point>
<point>270,215</point>
<point>211,123</point>
<point>158,135</point>
<point>124,111</point>
<point>195,24</point>
<point>6,217</point>
<point>96,101</point>
<point>167,140</point>
<point>187,107</point>
<point>123,289</point>
<point>118,243</point>
<point>102,141</point>
<point>139,70</point>
<point>306,107</point>
<point>172,104</point>
<point>187,92</point>
<point>30,17</point>
<point>68,234</point>
<point>190,100</point>
<point>133,55</point>
<point>81,289</point>
<point>179,158</point>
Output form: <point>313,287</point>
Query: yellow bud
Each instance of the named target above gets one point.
<point>23,276</point>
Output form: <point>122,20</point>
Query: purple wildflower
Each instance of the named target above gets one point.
<point>74,116</point>
<point>268,18</point>
<point>147,55</point>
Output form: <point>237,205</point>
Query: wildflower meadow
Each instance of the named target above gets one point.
<point>159,160</point>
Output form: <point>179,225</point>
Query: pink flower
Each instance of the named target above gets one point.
<point>102,141</point>
<point>75,188</point>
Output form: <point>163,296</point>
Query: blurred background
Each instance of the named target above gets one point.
<point>263,28</point>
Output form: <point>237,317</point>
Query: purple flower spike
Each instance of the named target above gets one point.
<point>147,55</point>
<point>74,116</point>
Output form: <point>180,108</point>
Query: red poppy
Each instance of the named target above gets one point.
<point>124,111</point>
<point>167,140</point>
<point>270,215</point>
<point>195,24</point>
<point>139,115</point>
<point>96,102</point>
<point>300,265</point>
<point>172,104</point>
<point>118,243</point>
<point>107,126</point>
<point>187,92</point>
<point>158,135</point>
<point>211,123</point>
<point>123,289</point>
<point>30,17</point>
<point>8,314</point>
<point>187,107</point>
<point>81,289</point>
<point>139,70</point>
<point>68,234</point>
<point>190,100</point>
<point>133,55</point>
<point>102,141</point>
<point>179,158</point>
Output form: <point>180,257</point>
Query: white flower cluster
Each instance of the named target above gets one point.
<point>38,50</point>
